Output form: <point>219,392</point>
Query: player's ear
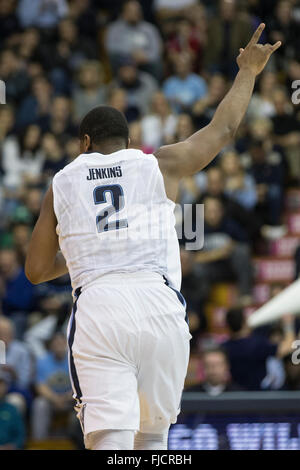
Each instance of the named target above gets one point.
<point>86,143</point>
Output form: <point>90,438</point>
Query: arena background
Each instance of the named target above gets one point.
<point>166,64</point>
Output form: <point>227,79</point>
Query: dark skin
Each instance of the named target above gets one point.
<point>44,262</point>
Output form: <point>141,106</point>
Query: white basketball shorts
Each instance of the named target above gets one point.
<point>128,353</point>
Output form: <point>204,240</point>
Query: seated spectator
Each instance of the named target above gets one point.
<point>168,11</point>
<point>9,23</point>
<point>55,157</point>
<point>248,350</point>
<point>159,125</point>
<point>17,291</point>
<point>35,108</point>
<point>283,27</point>
<point>15,76</point>
<point>72,49</point>
<point>189,289</point>
<point>261,104</point>
<point>184,88</point>
<point>91,91</point>
<point>205,108</point>
<point>216,370</point>
<point>53,387</point>
<point>12,429</point>
<point>41,13</point>
<point>18,366</point>
<point>138,85</point>
<point>60,120</point>
<point>131,36</point>
<point>23,159</point>
<point>225,255</point>
<point>29,209</point>
<point>286,130</point>
<point>136,141</point>
<point>118,98</point>
<point>267,169</point>
<point>187,40</point>
<point>292,374</point>
<point>215,187</point>
<point>226,32</point>
<point>238,185</point>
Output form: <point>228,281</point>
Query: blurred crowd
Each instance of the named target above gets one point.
<point>166,64</point>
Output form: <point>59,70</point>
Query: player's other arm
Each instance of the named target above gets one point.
<point>192,155</point>
<point>43,261</point>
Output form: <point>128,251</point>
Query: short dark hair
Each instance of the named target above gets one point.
<point>215,350</point>
<point>104,123</point>
<point>235,319</point>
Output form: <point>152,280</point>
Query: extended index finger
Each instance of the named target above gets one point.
<point>257,34</point>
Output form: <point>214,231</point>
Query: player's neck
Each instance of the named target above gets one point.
<point>108,147</point>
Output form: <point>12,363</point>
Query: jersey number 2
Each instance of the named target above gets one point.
<point>118,203</point>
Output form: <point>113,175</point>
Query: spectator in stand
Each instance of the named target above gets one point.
<point>159,126</point>
<point>267,169</point>
<point>190,291</point>
<point>168,11</point>
<point>91,90</point>
<point>15,76</point>
<point>19,365</point>
<point>139,86</point>
<point>287,130</point>
<point>118,98</point>
<point>215,187</point>
<point>55,157</point>
<point>261,104</point>
<point>131,36</point>
<point>283,27</point>
<point>60,120</point>
<point>136,141</point>
<point>9,23</point>
<point>53,387</point>
<point>23,159</point>
<point>184,88</point>
<point>225,255</point>
<point>35,108</point>
<point>12,429</point>
<point>292,374</point>
<point>227,32</point>
<point>238,185</point>
<point>216,370</point>
<point>72,49</point>
<point>248,350</point>
<point>205,108</point>
<point>16,291</point>
<point>44,14</point>
<point>187,40</point>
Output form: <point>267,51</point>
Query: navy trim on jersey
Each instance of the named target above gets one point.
<point>179,296</point>
<point>73,371</point>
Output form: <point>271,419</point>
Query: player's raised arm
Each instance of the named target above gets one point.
<point>193,154</point>
<point>43,261</point>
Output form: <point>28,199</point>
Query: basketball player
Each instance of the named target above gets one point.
<point>128,338</point>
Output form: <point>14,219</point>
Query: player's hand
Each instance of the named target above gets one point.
<point>255,56</point>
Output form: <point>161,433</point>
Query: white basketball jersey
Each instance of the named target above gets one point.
<point>114,216</point>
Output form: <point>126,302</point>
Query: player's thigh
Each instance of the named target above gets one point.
<point>103,375</point>
<point>163,367</point>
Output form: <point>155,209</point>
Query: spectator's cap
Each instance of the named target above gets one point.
<point>5,377</point>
